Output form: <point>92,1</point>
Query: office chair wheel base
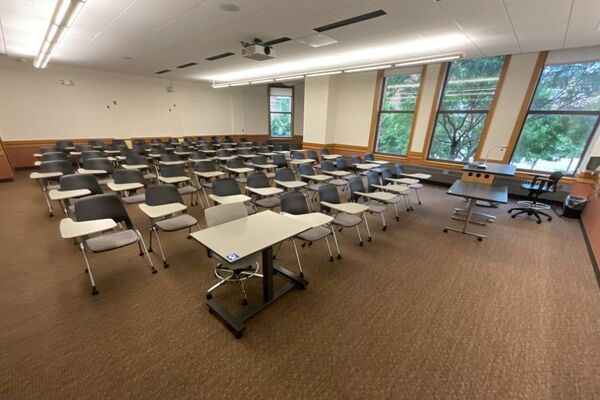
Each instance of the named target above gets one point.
<point>445,231</point>
<point>154,270</point>
<point>166,264</point>
<point>480,239</point>
<point>94,291</point>
<point>330,258</point>
<point>208,296</point>
<point>360,243</point>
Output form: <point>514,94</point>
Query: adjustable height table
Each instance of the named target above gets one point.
<point>243,237</point>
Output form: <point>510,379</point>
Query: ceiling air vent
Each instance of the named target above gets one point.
<point>218,56</point>
<point>277,41</point>
<point>163,71</point>
<point>187,65</point>
<point>350,21</point>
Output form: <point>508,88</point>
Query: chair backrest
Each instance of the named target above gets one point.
<point>297,155</point>
<point>135,159</point>
<point>82,147</point>
<point>204,166</point>
<point>102,206</point>
<point>78,181</point>
<point>284,175</point>
<point>355,184</point>
<point>306,169</point>
<point>260,160</point>
<point>118,142</point>
<point>386,173</point>
<point>198,155</point>
<point>327,166</point>
<point>222,214</point>
<point>277,147</point>
<point>91,154</point>
<point>138,141</point>
<point>547,185</point>
<point>399,169</point>
<point>162,194</point>
<point>329,193</point>
<point>258,180</point>
<point>96,142</point>
<point>57,166</point>
<point>312,154</point>
<point>342,164</point>
<point>295,146</point>
<point>140,148</point>
<point>356,159</point>
<point>279,160</point>
<point>54,156</point>
<point>222,153</point>
<point>369,157</point>
<point>235,163</point>
<point>324,151</point>
<point>128,176</point>
<point>158,150</point>
<point>99,163</point>
<point>373,178</point>
<point>263,149</point>
<point>225,187</point>
<point>169,171</point>
<point>294,203</point>
<point>169,157</point>
<point>64,143</point>
<point>245,151</point>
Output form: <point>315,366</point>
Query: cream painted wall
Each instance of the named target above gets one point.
<point>353,107</point>
<point>501,126</point>
<point>316,102</point>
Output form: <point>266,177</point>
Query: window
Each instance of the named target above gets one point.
<point>563,116</point>
<point>281,114</point>
<point>469,89</point>
<point>396,113</point>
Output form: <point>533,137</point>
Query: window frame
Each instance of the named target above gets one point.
<point>488,112</point>
<point>590,139</point>
<point>269,112</point>
<point>381,111</point>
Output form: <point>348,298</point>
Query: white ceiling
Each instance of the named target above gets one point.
<point>161,34</point>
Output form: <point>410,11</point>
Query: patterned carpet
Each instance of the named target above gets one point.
<point>416,314</point>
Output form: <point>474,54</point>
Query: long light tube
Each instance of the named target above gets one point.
<point>64,16</point>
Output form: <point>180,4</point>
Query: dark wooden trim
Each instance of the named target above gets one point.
<point>590,251</point>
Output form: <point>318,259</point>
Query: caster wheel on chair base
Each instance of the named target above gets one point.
<point>445,230</point>
<point>51,214</point>
<point>154,270</point>
<point>339,256</point>
<point>141,254</point>
<point>397,218</point>
<point>360,243</point>
<point>208,296</point>
<point>166,265</point>
<point>549,219</point>
<point>237,335</point>
<point>370,239</point>
<point>94,291</point>
<point>539,222</point>
<point>480,239</point>
<point>385,228</point>
<point>150,250</point>
<point>330,258</point>
<point>244,302</point>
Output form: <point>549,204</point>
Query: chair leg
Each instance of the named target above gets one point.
<point>150,241</point>
<point>329,249</point>
<point>298,258</point>
<point>48,203</point>
<point>383,221</point>
<point>143,244</point>
<point>337,248</point>
<point>367,225</point>
<point>418,198</point>
<point>88,269</point>
<point>206,197</point>
<point>213,287</point>
<point>396,211</point>
<point>360,242</point>
<point>165,263</point>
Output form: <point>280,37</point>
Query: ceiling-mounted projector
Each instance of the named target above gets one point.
<point>257,50</point>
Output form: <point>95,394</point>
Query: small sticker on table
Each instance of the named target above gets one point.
<point>232,257</point>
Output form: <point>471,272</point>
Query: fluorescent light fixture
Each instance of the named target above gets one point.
<point>219,86</point>
<point>240,84</point>
<point>65,14</point>
<point>429,60</point>
<point>289,78</point>
<point>370,68</point>
<point>261,81</point>
<point>323,74</point>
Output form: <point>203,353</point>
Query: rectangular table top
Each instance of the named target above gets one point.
<point>493,169</point>
<point>245,236</point>
<point>479,191</point>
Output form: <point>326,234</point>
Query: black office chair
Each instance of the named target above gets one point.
<point>538,186</point>
<point>107,206</point>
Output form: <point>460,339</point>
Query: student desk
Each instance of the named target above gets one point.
<point>474,191</point>
<point>243,237</point>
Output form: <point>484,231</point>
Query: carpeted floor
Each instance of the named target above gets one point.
<point>416,314</point>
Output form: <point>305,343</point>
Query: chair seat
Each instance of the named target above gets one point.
<point>338,182</point>
<point>112,241</point>
<point>314,234</point>
<point>176,223</point>
<point>187,189</point>
<point>245,263</point>
<point>346,220</point>
<point>134,199</point>
<point>416,186</point>
<point>377,207</point>
<point>269,202</point>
